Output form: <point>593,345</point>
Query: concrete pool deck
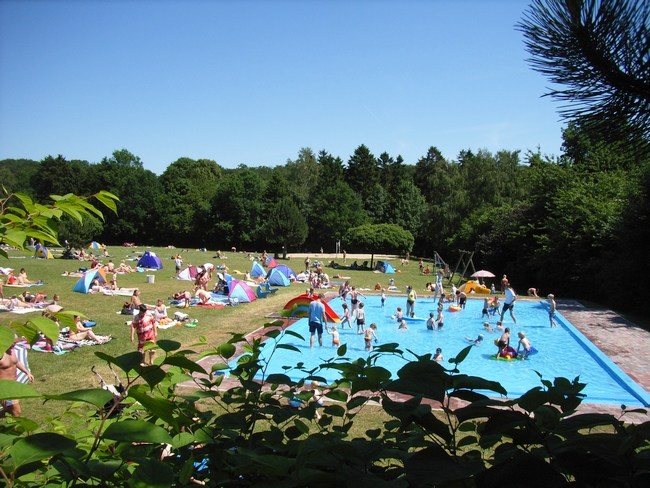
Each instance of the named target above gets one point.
<point>624,342</point>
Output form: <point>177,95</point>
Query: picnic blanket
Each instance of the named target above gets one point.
<point>85,342</point>
<point>21,310</point>
<point>125,292</point>
<point>15,285</point>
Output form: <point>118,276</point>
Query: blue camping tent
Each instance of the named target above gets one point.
<point>286,271</point>
<point>384,267</point>
<point>257,270</point>
<point>277,278</point>
<point>149,260</point>
<point>86,281</point>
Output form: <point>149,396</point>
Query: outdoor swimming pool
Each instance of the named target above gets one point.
<point>563,350</point>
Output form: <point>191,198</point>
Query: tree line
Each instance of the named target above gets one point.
<point>572,223</point>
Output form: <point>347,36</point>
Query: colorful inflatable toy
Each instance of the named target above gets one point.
<point>299,307</point>
<point>454,308</point>
<point>507,354</point>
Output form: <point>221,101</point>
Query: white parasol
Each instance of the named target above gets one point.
<point>481,273</point>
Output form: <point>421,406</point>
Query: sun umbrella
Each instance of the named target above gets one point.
<point>481,273</point>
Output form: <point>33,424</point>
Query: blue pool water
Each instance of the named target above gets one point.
<point>563,350</point>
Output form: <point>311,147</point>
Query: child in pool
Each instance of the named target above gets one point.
<point>399,315</point>
<point>487,327</point>
<point>524,345</point>
<point>383,297</point>
<point>336,341</point>
<point>475,342</point>
<point>346,316</point>
<point>369,335</point>
<point>495,306</point>
<point>402,325</point>
<point>438,357</point>
<point>486,307</point>
<point>440,320</point>
<point>431,322</point>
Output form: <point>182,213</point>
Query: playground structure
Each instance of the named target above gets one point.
<point>465,260</point>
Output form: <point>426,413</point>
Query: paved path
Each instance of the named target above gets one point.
<point>625,343</point>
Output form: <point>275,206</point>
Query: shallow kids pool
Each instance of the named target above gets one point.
<point>563,350</point>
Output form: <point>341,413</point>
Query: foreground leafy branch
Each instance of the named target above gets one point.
<point>435,427</point>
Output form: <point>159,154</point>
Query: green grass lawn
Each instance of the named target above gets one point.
<point>72,371</point>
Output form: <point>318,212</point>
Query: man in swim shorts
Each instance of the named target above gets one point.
<point>317,319</point>
<point>509,303</point>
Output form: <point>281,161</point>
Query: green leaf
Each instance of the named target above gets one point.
<point>15,238</point>
<point>13,390</point>
<point>294,334</point>
<point>159,407</point>
<point>153,375</point>
<point>184,363</point>
<point>337,395</point>
<point>461,355</point>
<point>533,398</point>
<point>7,337</point>
<point>279,379</point>
<point>227,350</point>
<point>137,431</point>
<point>288,347</point>
<point>182,439</point>
<point>152,473</point>
<point>126,362</point>
<point>48,327</point>
<point>95,396</point>
<point>272,334</point>
<point>167,345</point>
<point>220,366</point>
<point>38,447</point>
<point>107,199</point>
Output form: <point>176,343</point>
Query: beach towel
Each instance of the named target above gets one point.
<point>20,310</point>
<point>125,292</point>
<point>25,286</point>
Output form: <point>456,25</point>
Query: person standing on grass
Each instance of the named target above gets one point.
<point>317,319</point>
<point>147,330</point>
<point>178,264</point>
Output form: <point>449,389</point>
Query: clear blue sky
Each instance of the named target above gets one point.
<point>252,82</point>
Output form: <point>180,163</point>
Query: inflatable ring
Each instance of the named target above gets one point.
<point>506,357</point>
<point>508,354</point>
<point>454,308</point>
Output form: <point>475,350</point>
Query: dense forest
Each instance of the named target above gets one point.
<point>576,223</point>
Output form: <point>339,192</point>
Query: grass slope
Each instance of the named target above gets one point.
<point>72,371</point>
